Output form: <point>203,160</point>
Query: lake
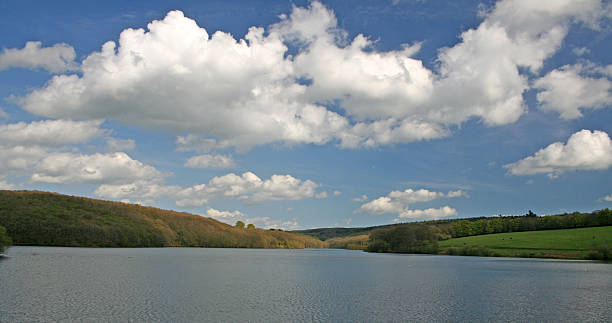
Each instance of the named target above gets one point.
<point>276,285</point>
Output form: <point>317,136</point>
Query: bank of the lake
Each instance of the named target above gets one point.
<point>49,284</point>
<point>5,240</point>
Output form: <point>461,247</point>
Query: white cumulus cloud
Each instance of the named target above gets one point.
<point>247,187</point>
<point>225,215</point>
<point>398,202</point>
<point>230,217</point>
<point>17,159</point>
<point>427,214</point>
<point>218,91</point>
<point>50,133</point>
<point>568,89</point>
<point>55,59</point>
<point>113,168</point>
<point>210,161</point>
<point>607,198</point>
<point>584,150</point>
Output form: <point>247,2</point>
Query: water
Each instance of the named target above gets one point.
<point>180,284</point>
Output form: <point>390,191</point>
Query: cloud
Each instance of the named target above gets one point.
<point>321,195</point>
<point>390,131</point>
<point>381,205</point>
<point>210,161</point>
<point>337,193</point>
<point>230,217</point>
<point>457,193</point>
<point>247,187</point>
<point>25,145</point>
<point>579,51</point>
<point>4,185</point>
<point>50,133</point>
<point>362,198</point>
<point>176,76</point>
<point>428,214</point>
<point>607,198</point>
<point>139,202</point>
<point>278,187</point>
<point>220,92</point>
<point>139,189</point>
<point>56,59</point>
<point>112,168</point>
<point>398,202</point>
<point>3,115</point>
<point>584,150</point>
<point>195,143</point>
<point>17,159</point>
<point>483,70</point>
<point>567,90</point>
<point>116,144</point>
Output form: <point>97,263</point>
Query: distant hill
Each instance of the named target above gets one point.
<point>329,233</point>
<point>51,219</point>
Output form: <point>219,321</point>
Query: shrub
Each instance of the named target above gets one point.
<point>601,252</point>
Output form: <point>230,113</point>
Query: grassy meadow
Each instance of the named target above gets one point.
<point>576,243</point>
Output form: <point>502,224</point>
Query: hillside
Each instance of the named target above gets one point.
<point>51,219</point>
<point>329,233</point>
<point>568,243</point>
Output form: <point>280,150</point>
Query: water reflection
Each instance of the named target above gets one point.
<point>175,284</point>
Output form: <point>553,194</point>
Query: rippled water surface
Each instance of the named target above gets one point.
<point>176,284</point>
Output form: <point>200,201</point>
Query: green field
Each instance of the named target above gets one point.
<point>567,243</point>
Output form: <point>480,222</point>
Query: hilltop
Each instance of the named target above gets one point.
<point>52,219</point>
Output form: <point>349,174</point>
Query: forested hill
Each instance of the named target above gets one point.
<point>329,233</point>
<point>51,219</point>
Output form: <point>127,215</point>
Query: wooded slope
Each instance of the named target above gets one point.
<point>51,219</point>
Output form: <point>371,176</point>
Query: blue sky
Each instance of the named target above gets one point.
<point>311,114</point>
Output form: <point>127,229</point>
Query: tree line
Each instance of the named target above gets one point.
<point>422,237</point>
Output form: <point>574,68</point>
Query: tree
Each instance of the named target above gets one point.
<point>251,226</point>
<point>240,224</point>
<point>5,240</point>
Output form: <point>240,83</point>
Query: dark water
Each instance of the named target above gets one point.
<point>181,285</point>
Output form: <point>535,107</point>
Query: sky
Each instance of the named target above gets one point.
<point>306,114</point>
